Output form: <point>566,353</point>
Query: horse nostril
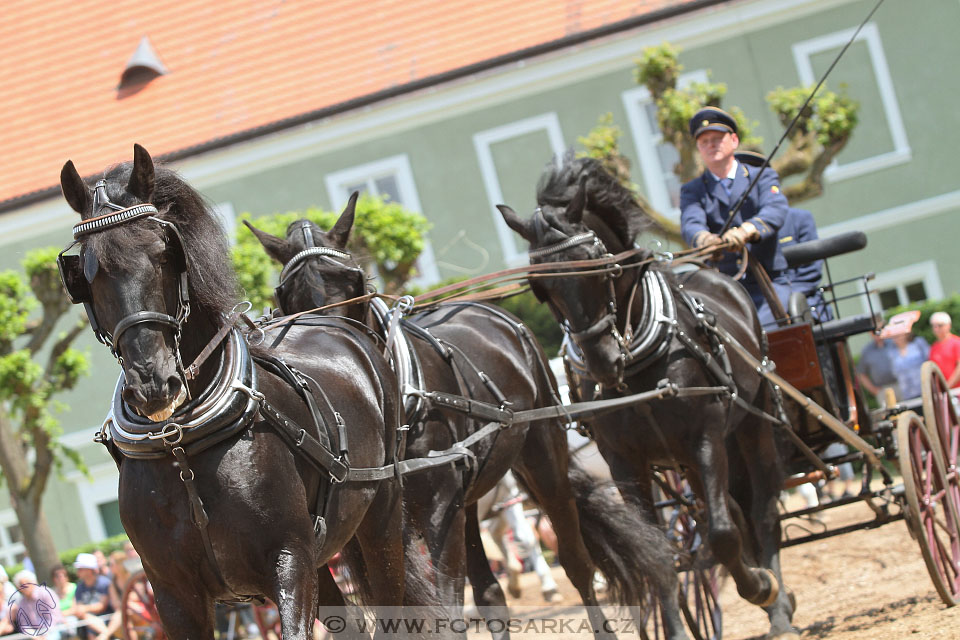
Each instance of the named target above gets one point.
<point>133,396</point>
<point>173,386</point>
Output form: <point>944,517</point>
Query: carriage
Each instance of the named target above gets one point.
<point>726,383</point>
<point>916,439</point>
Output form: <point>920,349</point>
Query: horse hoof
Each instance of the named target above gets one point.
<point>513,584</point>
<point>789,635</point>
<point>772,594</point>
<point>552,596</point>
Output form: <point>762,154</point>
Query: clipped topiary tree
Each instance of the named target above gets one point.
<point>36,364</point>
<point>820,133</point>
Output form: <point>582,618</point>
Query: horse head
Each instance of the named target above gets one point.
<point>584,304</point>
<point>130,275</point>
<point>317,269</point>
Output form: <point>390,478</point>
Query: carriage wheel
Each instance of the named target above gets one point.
<point>940,415</point>
<point>699,584</point>
<point>930,514</point>
<point>139,614</point>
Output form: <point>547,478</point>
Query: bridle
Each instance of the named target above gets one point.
<point>329,255</point>
<point>78,271</point>
<point>606,323</point>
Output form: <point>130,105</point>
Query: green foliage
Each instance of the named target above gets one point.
<point>41,262</point>
<point>538,319</point>
<point>658,67</point>
<point>386,236</point>
<point>832,116</point>
<point>603,143</point>
<point>16,302</point>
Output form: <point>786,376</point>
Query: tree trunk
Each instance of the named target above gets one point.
<point>37,537</point>
<point>33,523</point>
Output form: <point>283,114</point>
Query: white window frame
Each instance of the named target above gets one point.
<point>925,272</point>
<point>8,549</point>
<point>93,493</point>
<point>802,52</point>
<point>645,141</point>
<point>483,142</point>
<point>399,167</point>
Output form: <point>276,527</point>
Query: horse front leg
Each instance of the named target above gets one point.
<point>757,586</point>
<point>184,616</point>
<point>758,454</point>
<point>633,477</point>
<point>487,593</point>
<point>296,588</point>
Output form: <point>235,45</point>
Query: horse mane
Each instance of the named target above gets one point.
<point>213,283</point>
<point>607,199</point>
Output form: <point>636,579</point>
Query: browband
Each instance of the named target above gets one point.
<point>113,219</point>
<point>308,252</point>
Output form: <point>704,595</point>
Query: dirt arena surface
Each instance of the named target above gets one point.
<point>865,585</point>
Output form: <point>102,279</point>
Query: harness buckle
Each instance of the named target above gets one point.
<point>169,430</point>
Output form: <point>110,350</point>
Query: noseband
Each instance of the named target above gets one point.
<point>120,216</point>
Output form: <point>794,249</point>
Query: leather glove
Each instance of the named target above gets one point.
<point>705,239</point>
<point>740,236</point>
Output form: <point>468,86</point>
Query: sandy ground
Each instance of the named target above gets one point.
<point>864,585</point>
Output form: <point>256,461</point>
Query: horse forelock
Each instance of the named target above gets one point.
<point>607,199</point>
<point>213,283</point>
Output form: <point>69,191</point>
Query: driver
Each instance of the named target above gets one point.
<point>706,201</point>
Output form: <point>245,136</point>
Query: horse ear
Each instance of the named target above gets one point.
<point>574,211</point>
<point>75,190</point>
<point>340,232</point>
<point>141,178</point>
<point>515,222</point>
<point>276,248</point>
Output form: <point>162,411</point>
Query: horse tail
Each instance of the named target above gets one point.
<point>632,553</point>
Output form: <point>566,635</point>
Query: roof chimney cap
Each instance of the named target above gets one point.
<point>143,65</point>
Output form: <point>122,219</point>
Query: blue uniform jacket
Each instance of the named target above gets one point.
<point>800,227</point>
<point>704,205</point>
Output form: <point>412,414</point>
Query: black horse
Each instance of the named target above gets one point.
<point>236,511</point>
<point>481,352</point>
<point>632,328</point>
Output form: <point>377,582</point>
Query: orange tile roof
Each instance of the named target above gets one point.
<point>240,66</point>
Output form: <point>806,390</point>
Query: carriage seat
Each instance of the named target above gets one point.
<point>806,252</point>
<point>845,327</point>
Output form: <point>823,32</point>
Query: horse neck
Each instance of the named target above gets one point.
<point>198,331</point>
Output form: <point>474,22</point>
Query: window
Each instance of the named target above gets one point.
<point>518,150</point>
<point>98,499</point>
<point>914,283</point>
<point>12,549</point>
<point>657,158</point>
<point>887,144</point>
<point>392,179</point>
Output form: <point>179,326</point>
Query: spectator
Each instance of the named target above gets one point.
<point>103,568</point>
<point>875,368</point>
<point>64,590</point>
<point>946,350</point>
<point>909,353</point>
<point>92,597</point>
<point>36,612</point>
